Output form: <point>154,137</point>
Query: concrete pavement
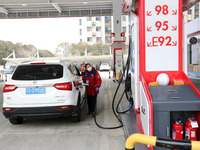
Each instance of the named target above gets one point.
<point>61,133</point>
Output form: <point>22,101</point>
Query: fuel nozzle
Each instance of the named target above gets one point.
<point>78,84</point>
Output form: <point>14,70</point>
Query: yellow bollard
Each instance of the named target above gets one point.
<point>160,142</point>
<point>118,75</point>
<point>139,138</point>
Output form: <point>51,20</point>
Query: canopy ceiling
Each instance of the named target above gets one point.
<point>54,8</point>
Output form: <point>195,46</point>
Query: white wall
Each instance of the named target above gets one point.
<point>193,30</point>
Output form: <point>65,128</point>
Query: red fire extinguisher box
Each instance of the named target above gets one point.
<point>171,103</point>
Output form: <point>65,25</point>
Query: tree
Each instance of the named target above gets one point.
<point>6,48</point>
<point>63,49</point>
<point>21,51</point>
<point>95,49</point>
<point>45,53</point>
<point>100,49</point>
<point>79,49</point>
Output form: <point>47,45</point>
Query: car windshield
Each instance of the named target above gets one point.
<point>38,72</point>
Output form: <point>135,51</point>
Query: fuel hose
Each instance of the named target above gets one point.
<point>114,97</point>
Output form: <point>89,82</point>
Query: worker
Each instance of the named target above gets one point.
<point>91,77</point>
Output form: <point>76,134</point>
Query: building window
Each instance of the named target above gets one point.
<point>98,28</point>
<point>124,29</point>
<point>89,28</point>
<point>80,22</point>
<point>89,18</point>
<point>107,19</point>
<point>107,29</point>
<point>196,9</point>
<point>108,40</point>
<point>98,18</point>
<point>98,39</point>
<point>196,16</point>
<point>80,40</point>
<point>189,12</point>
<point>80,31</point>
<point>123,18</point>
<point>89,39</point>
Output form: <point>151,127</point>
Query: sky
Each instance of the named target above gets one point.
<point>45,33</point>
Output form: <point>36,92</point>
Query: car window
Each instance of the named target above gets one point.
<point>9,70</point>
<point>38,72</point>
<point>78,72</point>
<point>73,70</point>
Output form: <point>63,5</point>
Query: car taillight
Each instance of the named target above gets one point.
<point>8,109</point>
<point>64,107</point>
<point>64,86</point>
<point>9,88</point>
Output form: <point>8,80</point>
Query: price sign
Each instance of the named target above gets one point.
<point>162,35</point>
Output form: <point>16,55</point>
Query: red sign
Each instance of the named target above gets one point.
<point>112,34</point>
<point>123,34</point>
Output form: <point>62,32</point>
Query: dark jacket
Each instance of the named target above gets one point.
<point>94,79</point>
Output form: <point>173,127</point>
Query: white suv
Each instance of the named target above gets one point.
<point>43,89</point>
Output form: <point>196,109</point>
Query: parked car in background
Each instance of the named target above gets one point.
<point>43,89</point>
<point>104,66</point>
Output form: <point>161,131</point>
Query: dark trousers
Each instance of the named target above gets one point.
<point>91,100</point>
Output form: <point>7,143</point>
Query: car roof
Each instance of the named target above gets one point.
<point>66,62</point>
<point>104,64</point>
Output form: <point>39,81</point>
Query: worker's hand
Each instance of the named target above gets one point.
<point>97,89</point>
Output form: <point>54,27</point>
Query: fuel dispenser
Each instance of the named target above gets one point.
<point>158,47</point>
<point>117,50</point>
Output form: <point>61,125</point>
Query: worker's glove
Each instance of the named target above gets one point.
<point>97,89</point>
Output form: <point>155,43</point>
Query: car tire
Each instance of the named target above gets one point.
<point>16,120</point>
<point>77,116</point>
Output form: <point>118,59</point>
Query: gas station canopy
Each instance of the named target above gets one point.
<point>54,8</point>
<point>61,8</point>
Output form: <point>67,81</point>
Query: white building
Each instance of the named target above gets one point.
<point>192,13</point>
<point>94,30</point>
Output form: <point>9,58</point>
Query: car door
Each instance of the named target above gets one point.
<point>78,77</point>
